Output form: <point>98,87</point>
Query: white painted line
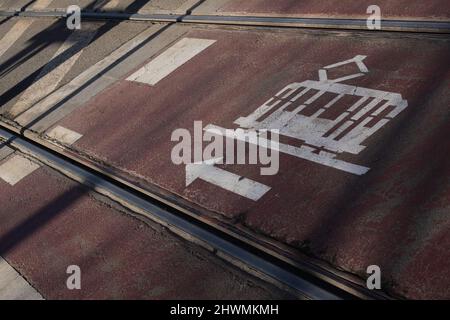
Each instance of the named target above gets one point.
<point>341,129</point>
<point>14,34</point>
<point>170,60</point>
<point>5,151</point>
<point>16,168</point>
<point>226,180</point>
<point>47,103</point>
<point>13,286</point>
<point>54,72</point>
<point>64,135</point>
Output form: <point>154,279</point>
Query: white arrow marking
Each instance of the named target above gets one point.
<point>226,180</point>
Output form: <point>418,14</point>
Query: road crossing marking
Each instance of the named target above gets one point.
<point>64,135</point>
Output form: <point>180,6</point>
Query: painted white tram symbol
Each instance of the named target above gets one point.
<point>320,139</point>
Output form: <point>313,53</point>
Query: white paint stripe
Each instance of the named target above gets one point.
<point>41,4</point>
<point>47,103</point>
<point>226,180</point>
<point>358,60</point>
<point>353,76</point>
<point>64,135</point>
<point>16,168</point>
<point>381,109</point>
<point>19,28</point>
<point>14,34</point>
<point>315,97</point>
<point>366,109</point>
<point>5,151</point>
<point>13,286</point>
<point>173,58</point>
<point>266,107</point>
<point>341,129</point>
<point>304,91</point>
<point>358,104</point>
<point>54,72</point>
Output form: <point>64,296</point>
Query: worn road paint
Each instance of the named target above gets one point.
<point>173,58</point>
<point>5,151</point>
<point>14,34</point>
<point>16,168</point>
<point>54,71</point>
<point>13,286</point>
<point>64,135</point>
<point>226,180</point>
<point>47,103</point>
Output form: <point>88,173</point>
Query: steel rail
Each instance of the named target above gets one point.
<point>415,26</point>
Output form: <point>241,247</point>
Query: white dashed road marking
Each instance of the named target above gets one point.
<point>173,58</point>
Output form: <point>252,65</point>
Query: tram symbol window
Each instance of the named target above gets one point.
<point>322,139</point>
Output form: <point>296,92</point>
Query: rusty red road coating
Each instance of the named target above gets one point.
<point>396,216</point>
<point>48,222</point>
<point>405,9</point>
